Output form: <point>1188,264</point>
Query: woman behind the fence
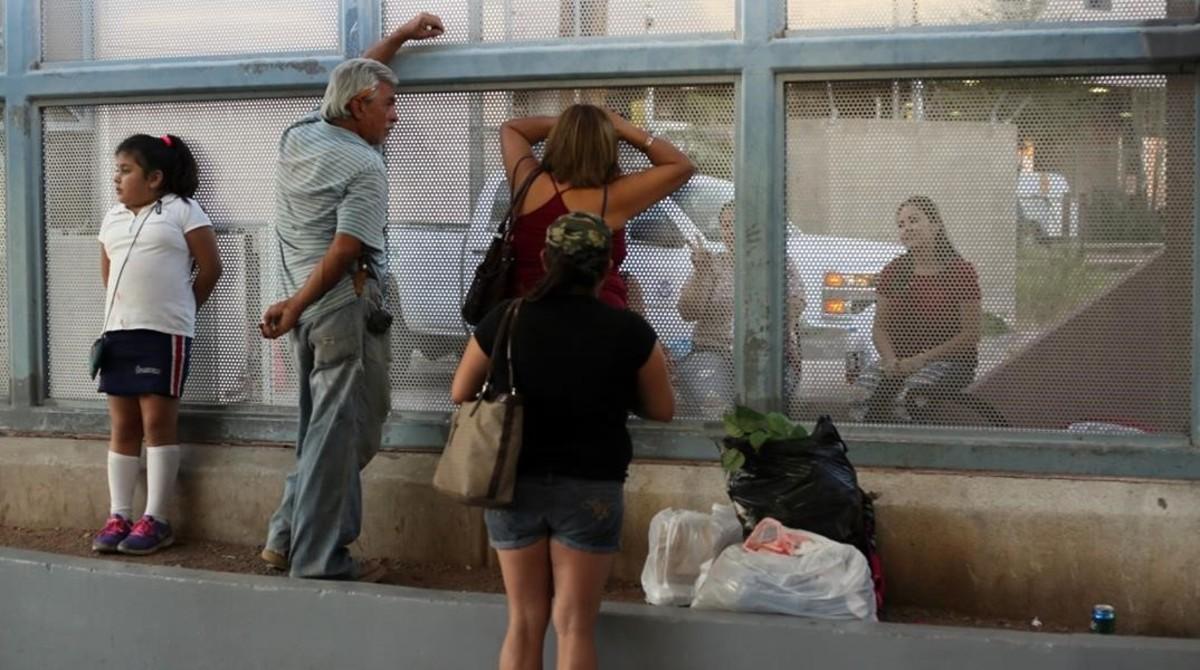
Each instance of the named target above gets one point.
<point>581,366</point>
<point>149,243</point>
<point>926,322</point>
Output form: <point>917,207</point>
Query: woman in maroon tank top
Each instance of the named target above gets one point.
<point>579,172</point>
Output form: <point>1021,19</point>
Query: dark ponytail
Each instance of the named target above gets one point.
<point>565,277</point>
<point>167,154</point>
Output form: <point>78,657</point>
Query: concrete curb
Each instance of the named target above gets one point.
<point>61,612</point>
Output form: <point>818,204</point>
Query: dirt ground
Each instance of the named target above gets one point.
<point>241,559</point>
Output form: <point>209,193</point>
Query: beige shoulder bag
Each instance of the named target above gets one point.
<point>479,464</point>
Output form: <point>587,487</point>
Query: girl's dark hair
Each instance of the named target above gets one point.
<point>943,248</point>
<point>564,277</point>
<point>167,154</point>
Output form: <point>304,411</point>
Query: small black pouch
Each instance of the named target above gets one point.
<point>378,321</point>
<point>96,356</point>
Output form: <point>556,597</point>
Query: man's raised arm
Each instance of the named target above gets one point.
<point>421,27</point>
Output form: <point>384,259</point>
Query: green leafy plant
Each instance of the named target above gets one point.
<point>755,429</point>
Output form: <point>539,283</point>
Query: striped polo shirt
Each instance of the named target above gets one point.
<point>329,180</point>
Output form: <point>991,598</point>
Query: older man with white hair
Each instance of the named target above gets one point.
<point>330,218</point>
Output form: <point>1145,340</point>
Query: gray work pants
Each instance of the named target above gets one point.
<point>345,396</point>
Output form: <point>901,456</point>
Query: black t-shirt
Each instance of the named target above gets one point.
<point>576,362</point>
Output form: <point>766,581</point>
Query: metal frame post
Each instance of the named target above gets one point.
<point>361,26</point>
<point>25,242</point>
<point>761,223</point>
<point>1195,348</point>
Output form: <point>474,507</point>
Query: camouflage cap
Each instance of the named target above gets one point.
<point>582,237</point>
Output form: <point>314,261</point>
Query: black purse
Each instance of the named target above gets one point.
<point>489,286</point>
<point>96,353</point>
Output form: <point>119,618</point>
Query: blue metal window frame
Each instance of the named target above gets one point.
<point>758,62</point>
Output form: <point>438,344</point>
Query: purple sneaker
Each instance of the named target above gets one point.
<point>148,536</point>
<point>115,530</point>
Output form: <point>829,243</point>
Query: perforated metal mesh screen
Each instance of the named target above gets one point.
<point>446,188</point>
<point>126,29</point>
<point>235,146</point>
<point>1067,205</point>
<point>822,15</point>
<point>447,194</point>
<point>512,20</point>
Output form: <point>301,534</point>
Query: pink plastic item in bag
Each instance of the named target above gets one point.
<point>770,535</point>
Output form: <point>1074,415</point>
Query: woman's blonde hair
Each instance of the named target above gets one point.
<point>582,147</point>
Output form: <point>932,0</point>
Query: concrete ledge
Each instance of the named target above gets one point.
<point>978,544</point>
<point>60,612</point>
<point>1057,453</point>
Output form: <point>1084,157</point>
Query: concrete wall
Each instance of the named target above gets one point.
<point>978,544</point>
<point>72,613</point>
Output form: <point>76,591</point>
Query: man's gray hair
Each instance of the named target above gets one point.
<point>350,79</point>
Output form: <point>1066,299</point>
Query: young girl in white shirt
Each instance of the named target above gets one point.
<point>149,243</point>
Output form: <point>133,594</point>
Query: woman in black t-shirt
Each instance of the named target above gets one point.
<point>581,367</point>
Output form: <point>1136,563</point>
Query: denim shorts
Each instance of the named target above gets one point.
<point>582,514</point>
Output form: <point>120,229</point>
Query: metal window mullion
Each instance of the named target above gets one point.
<point>760,231</point>
<point>361,26</point>
<point>22,37</point>
<point>1195,232</point>
<point>500,65</point>
<point>475,129</point>
<point>475,21</point>
<point>87,37</point>
<point>23,221</point>
<point>25,244</point>
<point>973,47</point>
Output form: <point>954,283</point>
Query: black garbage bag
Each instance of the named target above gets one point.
<point>806,483</point>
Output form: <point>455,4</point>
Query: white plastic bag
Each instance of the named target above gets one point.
<point>727,527</point>
<point>820,578</point>
<point>680,541</point>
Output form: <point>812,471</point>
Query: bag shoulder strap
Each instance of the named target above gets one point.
<point>604,202</point>
<point>117,282</point>
<point>504,229</point>
<point>512,188</point>
<point>504,336</point>
<point>508,346</point>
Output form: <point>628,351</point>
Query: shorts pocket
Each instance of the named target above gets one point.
<point>589,518</point>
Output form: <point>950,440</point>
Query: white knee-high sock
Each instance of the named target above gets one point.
<point>162,465</point>
<point>122,479</point>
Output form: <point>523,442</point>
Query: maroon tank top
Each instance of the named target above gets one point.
<point>529,237</point>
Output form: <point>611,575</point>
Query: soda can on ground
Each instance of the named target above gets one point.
<point>1104,619</point>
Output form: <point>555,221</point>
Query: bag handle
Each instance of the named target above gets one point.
<point>504,335</point>
<point>117,283</point>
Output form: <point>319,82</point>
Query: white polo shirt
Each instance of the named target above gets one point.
<point>155,291</point>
